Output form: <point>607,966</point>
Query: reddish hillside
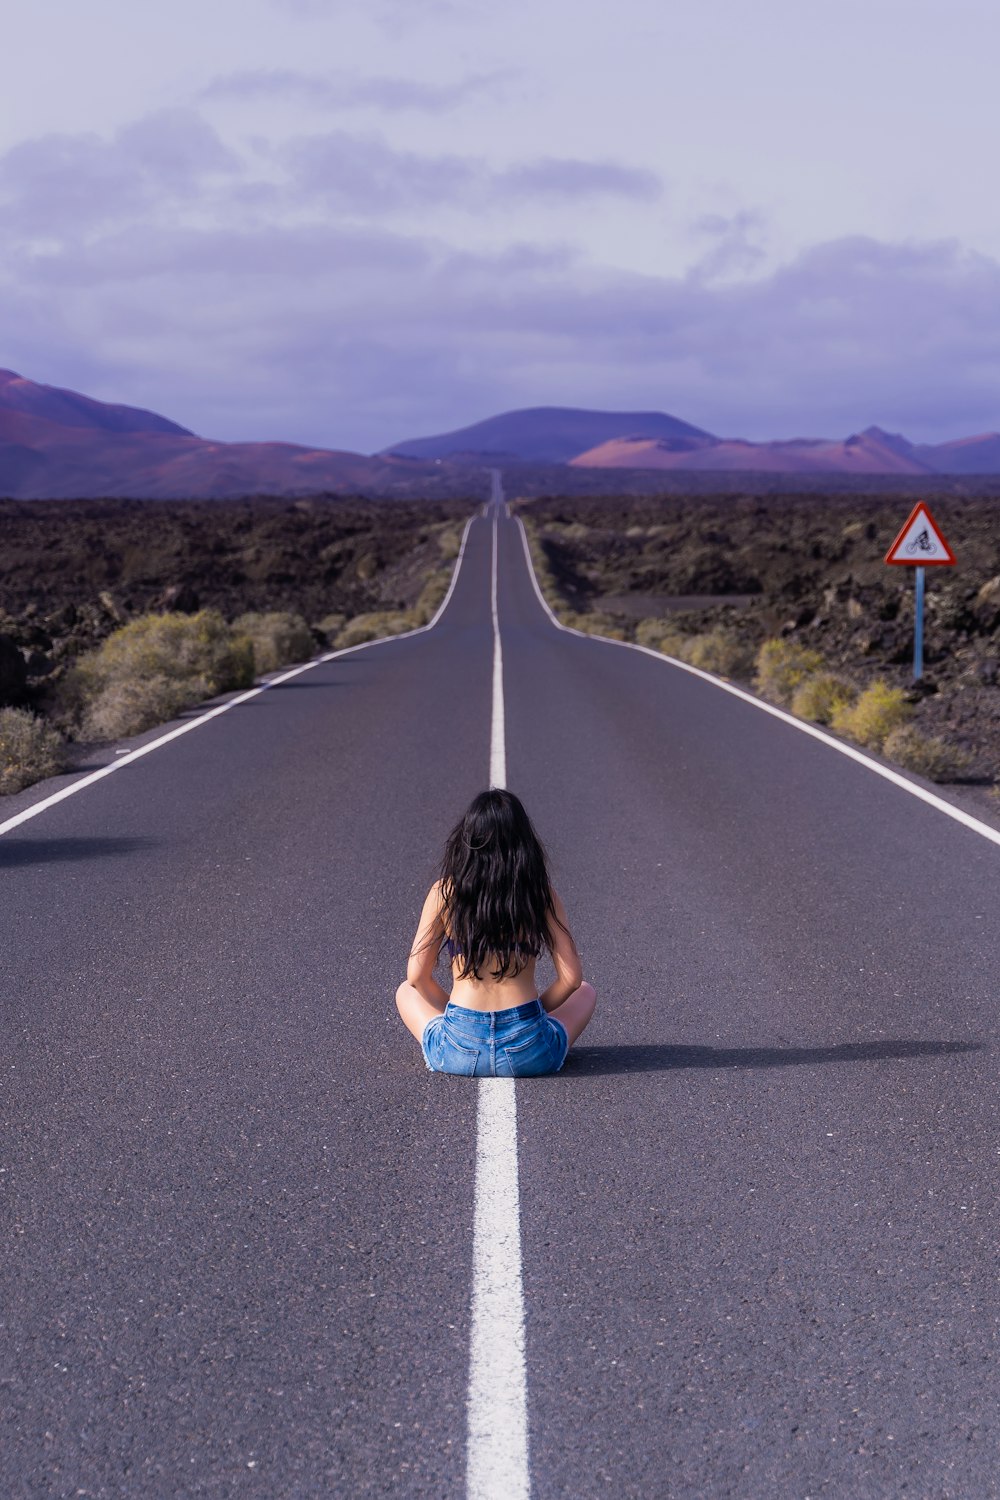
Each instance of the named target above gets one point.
<point>57,445</point>
<point>69,409</point>
<point>865,453</point>
<point>971,455</point>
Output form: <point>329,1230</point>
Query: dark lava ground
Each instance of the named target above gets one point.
<point>72,571</point>
<point>809,566</point>
<point>806,565</point>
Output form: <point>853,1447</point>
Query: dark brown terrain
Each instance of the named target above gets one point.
<point>72,571</point>
<point>802,566</point>
<point>807,567</point>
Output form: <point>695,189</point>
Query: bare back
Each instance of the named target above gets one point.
<point>500,994</point>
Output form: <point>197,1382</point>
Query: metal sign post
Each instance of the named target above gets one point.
<point>918,625</point>
<point>920,544</point>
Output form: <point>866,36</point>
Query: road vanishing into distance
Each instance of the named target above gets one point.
<point>758,1239</point>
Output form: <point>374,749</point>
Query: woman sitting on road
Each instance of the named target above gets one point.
<point>493,911</point>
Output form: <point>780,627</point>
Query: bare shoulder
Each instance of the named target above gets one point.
<point>557,904</point>
<point>434,902</point>
<point>560,927</point>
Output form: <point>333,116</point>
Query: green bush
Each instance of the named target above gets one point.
<point>781,666</point>
<point>926,754</point>
<point>819,697</point>
<point>152,668</point>
<point>279,638</point>
<point>877,711</point>
<point>29,749</point>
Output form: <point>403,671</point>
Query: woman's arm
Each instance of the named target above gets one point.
<point>426,947</point>
<point>569,971</point>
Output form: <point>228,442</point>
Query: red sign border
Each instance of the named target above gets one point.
<point>916,562</point>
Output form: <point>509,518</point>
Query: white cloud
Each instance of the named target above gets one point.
<point>347,91</point>
<point>58,185</point>
<point>318,290</point>
<point>358,341</point>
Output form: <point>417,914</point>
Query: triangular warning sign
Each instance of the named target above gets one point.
<point>920,542</point>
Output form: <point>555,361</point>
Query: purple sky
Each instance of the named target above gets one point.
<point>346,222</point>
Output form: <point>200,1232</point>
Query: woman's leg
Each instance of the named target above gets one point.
<point>415,1010</point>
<point>576,1011</point>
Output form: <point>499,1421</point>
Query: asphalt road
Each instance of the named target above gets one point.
<point>758,1208</point>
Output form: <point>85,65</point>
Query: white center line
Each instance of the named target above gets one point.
<point>498,740</point>
<point>497,1439</point>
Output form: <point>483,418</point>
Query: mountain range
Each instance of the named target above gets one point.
<point>56,444</point>
<point>652,440</point>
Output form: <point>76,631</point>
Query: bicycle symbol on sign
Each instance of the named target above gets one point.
<point>920,543</point>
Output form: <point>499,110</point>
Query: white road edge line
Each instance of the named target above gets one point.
<point>497,1433</point>
<point>213,713</point>
<point>966,819</point>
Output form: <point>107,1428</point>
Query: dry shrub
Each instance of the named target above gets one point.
<point>875,713</point>
<point>279,637</point>
<point>819,697</point>
<point>332,625</point>
<point>781,666</point>
<point>926,754</point>
<point>718,651</point>
<point>650,631</point>
<point>154,667</point>
<point>660,635</point>
<point>431,595</point>
<point>378,623</point>
<point>673,643</point>
<point>29,749</point>
<point>449,539</point>
<point>386,622</point>
<point>593,622</point>
<point>129,705</point>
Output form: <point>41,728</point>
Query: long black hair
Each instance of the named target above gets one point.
<point>496,896</point>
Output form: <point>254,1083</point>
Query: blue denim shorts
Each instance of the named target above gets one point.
<point>521,1042</point>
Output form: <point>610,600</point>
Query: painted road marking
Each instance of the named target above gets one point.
<point>127,757</point>
<point>497,1436</point>
<point>497,1431</point>
<point>498,738</point>
<point>966,819</point>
